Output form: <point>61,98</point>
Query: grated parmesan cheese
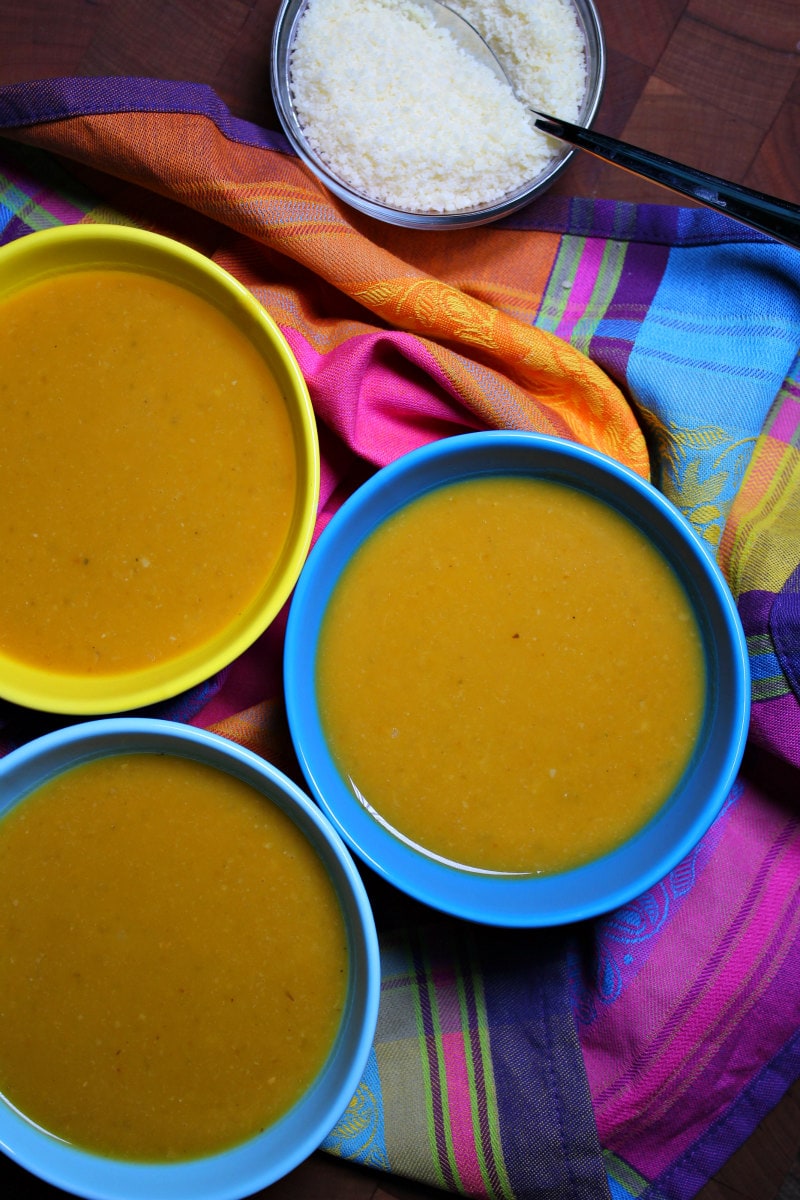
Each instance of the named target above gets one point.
<point>403,115</point>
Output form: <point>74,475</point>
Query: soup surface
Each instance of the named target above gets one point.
<point>510,675</point>
<point>148,471</point>
<point>173,959</point>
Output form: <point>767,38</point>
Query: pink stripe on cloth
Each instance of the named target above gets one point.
<point>64,212</point>
<point>382,393</point>
<point>730,942</point>
<point>462,1117</point>
<point>785,426</point>
<point>584,284</point>
<point>712,1081</point>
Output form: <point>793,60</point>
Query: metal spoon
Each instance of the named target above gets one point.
<point>778,218</point>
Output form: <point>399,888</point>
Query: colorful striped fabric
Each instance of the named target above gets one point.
<point>627,1057</point>
<point>760,555</point>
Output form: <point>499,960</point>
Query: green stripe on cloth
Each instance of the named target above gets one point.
<point>435,1050</point>
<point>429,1034</point>
<point>608,275</point>
<point>623,1180</point>
<point>770,688</point>
<point>482,1089</point>
<point>562,278</point>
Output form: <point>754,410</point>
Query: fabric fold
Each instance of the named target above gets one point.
<point>271,197</point>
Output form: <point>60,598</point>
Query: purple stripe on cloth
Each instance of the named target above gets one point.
<point>612,354</point>
<point>645,264</point>
<point>15,228</point>
<point>430,1049</point>
<point>58,99</point>
<point>548,1133</point>
<point>754,608</point>
<point>61,210</point>
<point>473,1030</point>
<point>639,281</point>
<point>667,225</point>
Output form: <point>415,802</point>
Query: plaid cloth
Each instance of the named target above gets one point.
<point>627,1056</point>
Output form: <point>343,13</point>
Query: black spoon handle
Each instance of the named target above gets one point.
<point>778,218</point>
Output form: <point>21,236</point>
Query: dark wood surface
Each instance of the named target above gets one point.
<point>712,83</point>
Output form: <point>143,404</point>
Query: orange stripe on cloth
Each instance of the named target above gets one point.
<point>506,268</point>
<point>272,198</point>
<point>262,728</point>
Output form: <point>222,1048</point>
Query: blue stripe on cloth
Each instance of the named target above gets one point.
<point>618,1192</point>
<point>625,331</point>
<point>359,1135</point>
<point>700,343</point>
<point>764,666</point>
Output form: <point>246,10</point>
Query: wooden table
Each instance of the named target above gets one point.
<point>712,83</point>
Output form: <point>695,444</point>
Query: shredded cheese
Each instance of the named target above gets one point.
<point>403,115</point>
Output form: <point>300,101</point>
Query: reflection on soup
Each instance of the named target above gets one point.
<point>510,675</point>
<point>173,958</point>
<point>148,471</point>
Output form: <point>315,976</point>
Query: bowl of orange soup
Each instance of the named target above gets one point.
<point>189,972</point>
<point>160,469</point>
<point>516,680</point>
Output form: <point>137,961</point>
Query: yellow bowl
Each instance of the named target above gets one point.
<point>44,255</point>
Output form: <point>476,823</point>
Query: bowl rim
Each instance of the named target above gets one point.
<point>261,1160</point>
<point>641,861</point>
<point>47,253</point>
<point>289,14</point>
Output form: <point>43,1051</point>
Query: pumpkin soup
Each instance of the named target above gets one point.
<point>510,675</point>
<point>148,472</point>
<point>173,958</point>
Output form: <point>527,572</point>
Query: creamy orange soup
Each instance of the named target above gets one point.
<point>173,959</point>
<point>148,472</point>
<point>510,675</point>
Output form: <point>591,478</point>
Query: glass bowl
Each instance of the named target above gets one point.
<point>283,36</point>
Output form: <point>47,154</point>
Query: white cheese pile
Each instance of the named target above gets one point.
<point>403,115</point>
<point>540,46</point>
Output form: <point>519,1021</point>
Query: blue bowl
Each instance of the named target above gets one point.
<point>620,875</point>
<point>261,1160</point>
